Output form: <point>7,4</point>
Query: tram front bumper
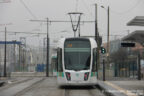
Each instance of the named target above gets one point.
<point>63,81</point>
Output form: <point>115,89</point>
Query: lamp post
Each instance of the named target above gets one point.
<point>96,30</point>
<point>108,32</point>
<point>97,38</point>
<point>47,59</point>
<point>5,69</point>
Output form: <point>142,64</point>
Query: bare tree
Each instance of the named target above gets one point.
<point>120,55</point>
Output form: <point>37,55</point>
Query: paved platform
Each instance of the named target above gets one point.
<point>123,88</point>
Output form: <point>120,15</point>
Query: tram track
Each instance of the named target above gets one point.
<point>66,92</point>
<point>91,93</point>
<point>13,84</point>
<point>83,91</point>
<point>27,89</point>
<point>48,87</point>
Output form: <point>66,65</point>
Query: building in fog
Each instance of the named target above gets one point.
<point>12,56</point>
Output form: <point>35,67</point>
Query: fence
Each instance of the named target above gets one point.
<point>124,69</point>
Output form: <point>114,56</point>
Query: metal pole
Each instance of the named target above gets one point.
<point>74,33</point>
<point>26,64</point>
<point>19,57</point>
<point>5,71</point>
<point>96,38</point>
<point>96,33</point>
<point>129,67</point>
<point>14,56</point>
<point>79,30</point>
<point>23,59</point>
<point>47,60</point>
<point>44,50</point>
<point>103,70</point>
<point>108,41</point>
<point>108,30</point>
<point>133,69</point>
<point>139,67</point>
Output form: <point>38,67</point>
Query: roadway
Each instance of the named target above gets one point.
<point>42,86</point>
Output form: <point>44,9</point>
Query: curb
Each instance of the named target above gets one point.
<point>108,90</point>
<point>104,90</point>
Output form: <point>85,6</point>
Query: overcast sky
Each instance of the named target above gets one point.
<point>16,16</point>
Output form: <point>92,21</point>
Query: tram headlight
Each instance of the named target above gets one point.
<point>68,76</point>
<point>86,75</point>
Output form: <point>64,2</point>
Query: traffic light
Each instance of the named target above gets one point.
<point>103,50</point>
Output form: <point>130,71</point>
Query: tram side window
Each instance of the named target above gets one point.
<point>94,60</point>
<point>60,69</point>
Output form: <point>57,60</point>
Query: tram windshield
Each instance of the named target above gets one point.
<point>77,54</point>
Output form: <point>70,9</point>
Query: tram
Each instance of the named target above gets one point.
<point>76,61</point>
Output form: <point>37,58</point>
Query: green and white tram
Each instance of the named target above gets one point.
<point>77,61</point>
